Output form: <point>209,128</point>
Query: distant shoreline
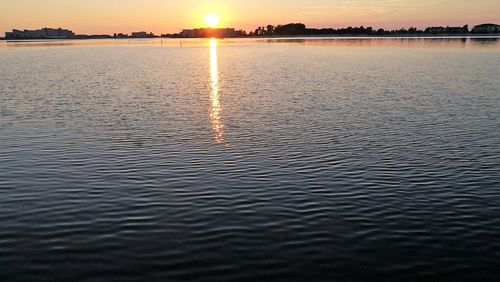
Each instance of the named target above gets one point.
<point>291,30</point>
<point>417,36</point>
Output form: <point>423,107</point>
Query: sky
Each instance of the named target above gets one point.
<point>166,16</point>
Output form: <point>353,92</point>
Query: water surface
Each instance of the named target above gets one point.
<point>250,160</point>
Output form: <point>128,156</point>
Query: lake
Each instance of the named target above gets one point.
<point>303,159</point>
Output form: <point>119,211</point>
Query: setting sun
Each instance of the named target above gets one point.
<point>212,20</point>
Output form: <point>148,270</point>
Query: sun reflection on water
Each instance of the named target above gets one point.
<point>215,99</point>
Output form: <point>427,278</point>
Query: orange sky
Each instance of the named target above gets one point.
<point>162,16</point>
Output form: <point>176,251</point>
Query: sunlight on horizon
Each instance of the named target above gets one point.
<point>212,20</point>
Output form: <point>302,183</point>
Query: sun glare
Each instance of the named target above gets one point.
<point>212,20</point>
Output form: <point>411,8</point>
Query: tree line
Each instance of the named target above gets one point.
<point>295,29</point>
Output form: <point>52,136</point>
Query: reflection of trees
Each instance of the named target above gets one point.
<point>401,42</point>
<point>484,41</point>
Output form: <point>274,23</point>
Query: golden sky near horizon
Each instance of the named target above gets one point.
<point>162,16</point>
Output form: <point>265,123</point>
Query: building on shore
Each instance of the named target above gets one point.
<point>120,35</point>
<point>486,28</point>
<point>139,34</point>
<point>142,34</point>
<point>44,33</point>
<point>209,32</point>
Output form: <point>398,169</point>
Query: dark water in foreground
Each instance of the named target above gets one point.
<point>270,160</point>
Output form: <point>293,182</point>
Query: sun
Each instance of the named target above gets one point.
<point>212,20</point>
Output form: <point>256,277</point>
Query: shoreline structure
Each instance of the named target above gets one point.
<point>288,30</point>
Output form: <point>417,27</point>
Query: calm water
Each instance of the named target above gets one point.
<point>241,160</point>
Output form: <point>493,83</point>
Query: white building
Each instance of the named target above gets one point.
<point>44,33</point>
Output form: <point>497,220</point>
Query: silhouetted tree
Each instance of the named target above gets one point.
<point>270,29</point>
<point>291,29</point>
<point>298,29</point>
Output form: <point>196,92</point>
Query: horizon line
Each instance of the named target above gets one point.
<point>258,26</point>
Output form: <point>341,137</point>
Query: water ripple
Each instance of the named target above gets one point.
<point>335,162</point>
